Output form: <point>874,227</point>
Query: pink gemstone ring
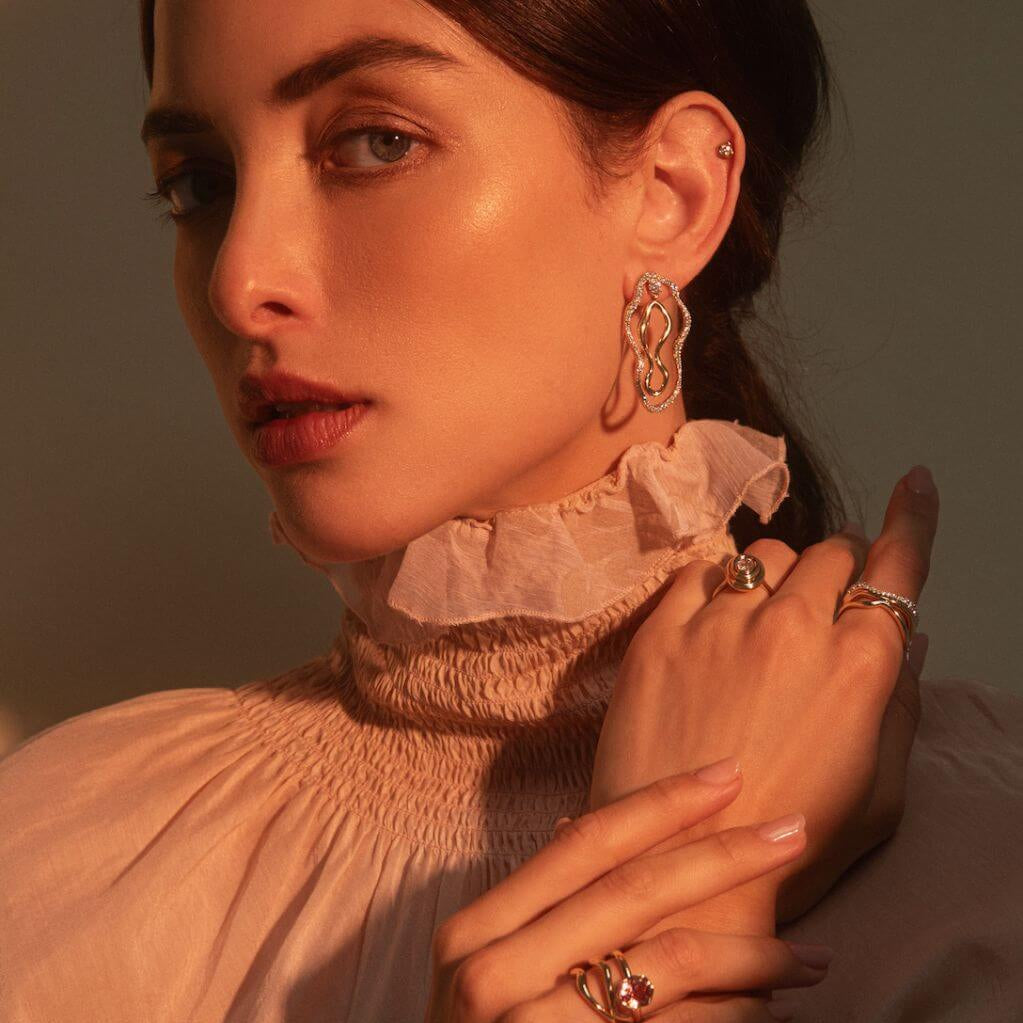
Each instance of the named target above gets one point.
<point>631,993</point>
<point>624,999</point>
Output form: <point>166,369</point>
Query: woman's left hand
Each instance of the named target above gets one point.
<point>820,712</point>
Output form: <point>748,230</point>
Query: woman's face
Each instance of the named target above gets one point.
<point>455,274</point>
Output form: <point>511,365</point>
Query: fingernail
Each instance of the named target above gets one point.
<point>782,829</point>
<point>919,480</point>
<point>781,1010</point>
<point>720,772</point>
<point>561,822</point>
<point>817,956</point>
<point>856,528</point>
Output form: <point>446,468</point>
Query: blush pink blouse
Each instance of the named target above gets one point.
<point>282,850</point>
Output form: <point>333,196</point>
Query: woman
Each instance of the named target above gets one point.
<point>527,502</point>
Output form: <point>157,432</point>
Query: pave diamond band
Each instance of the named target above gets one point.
<point>902,609</point>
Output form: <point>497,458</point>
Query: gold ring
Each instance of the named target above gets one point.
<point>624,1000</point>
<point>902,609</point>
<point>743,572</point>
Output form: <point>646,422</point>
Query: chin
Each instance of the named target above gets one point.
<point>339,530</point>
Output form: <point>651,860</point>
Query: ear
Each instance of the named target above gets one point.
<point>688,191</point>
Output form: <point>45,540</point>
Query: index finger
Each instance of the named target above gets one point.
<point>590,846</point>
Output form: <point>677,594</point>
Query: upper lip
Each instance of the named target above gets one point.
<point>258,393</point>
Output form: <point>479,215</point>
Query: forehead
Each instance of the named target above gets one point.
<point>219,47</point>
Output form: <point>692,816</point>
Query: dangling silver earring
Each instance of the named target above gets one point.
<point>653,282</point>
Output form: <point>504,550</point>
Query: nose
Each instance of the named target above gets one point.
<point>263,280</point>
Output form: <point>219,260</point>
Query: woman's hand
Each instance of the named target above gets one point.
<point>821,713</point>
<point>595,887</point>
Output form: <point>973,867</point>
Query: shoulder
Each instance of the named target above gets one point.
<point>129,836</point>
<point>83,748</point>
<point>92,789</point>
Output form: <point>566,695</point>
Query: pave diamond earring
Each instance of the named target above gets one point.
<point>653,282</point>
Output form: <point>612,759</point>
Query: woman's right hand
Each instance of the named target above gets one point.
<point>596,887</point>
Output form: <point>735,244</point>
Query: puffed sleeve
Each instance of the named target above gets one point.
<point>128,836</point>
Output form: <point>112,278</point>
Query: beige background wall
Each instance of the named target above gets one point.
<point>135,541</point>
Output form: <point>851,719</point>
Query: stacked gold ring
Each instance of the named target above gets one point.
<point>902,609</point>
<point>624,999</point>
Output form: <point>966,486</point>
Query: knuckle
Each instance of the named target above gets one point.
<point>635,879</point>
<point>785,616</point>
<point>728,845</point>
<point>773,548</point>
<point>666,796</point>
<point>836,554</point>
<point>868,643</point>
<point>904,562</point>
<point>590,831</point>
<point>680,951</point>
<point>473,986</point>
<point>448,939</point>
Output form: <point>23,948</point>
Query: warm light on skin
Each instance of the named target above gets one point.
<point>476,295</point>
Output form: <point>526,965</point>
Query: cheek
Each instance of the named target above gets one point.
<point>473,274</point>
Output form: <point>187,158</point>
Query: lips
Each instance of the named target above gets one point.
<point>279,394</point>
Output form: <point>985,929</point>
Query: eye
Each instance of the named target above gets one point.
<point>383,143</point>
<point>189,190</point>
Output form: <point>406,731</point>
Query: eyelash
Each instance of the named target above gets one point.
<point>159,195</point>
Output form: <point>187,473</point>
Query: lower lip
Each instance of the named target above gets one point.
<point>288,441</point>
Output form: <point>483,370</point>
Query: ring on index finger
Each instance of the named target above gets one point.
<point>743,572</point>
<point>902,609</point>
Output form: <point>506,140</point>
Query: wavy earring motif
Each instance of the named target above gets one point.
<point>653,282</point>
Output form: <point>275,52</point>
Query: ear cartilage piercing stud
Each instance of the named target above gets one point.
<point>726,150</point>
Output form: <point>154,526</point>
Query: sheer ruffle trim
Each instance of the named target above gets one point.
<point>567,559</point>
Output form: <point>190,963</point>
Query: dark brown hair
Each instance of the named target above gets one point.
<point>613,64</point>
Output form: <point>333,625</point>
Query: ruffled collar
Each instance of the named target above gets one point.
<point>565,560</point>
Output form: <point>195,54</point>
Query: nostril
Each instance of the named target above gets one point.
<point>271,310</point>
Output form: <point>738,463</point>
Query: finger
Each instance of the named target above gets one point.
<point>826,569</point>
<point>898,732</point>
<point>620,905</point>
<point>584,849</point>
<point>778,559</point>
<point>681,961</point>
<point>696,581</point>
<point>899,559</point>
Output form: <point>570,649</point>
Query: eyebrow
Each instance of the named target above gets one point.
<point>360,53</point>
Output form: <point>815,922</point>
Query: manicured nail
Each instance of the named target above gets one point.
<point>720,772</point>
<point>856,528</point>
<point>919,480</point>
<point>781,1010</point>
<point>782,829</point>
<point>817,956</point>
